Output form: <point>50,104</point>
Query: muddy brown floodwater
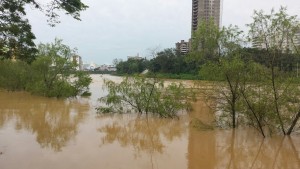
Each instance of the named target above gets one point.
<point>47,133</point>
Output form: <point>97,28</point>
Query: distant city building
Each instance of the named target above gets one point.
<point>111,68</point>
<point>297,39</point>
<point>105,67</point>
<point>89,66</point>
<point>257,43</point>
<point>204,10</point>
<point>183,47</point>
<point>78,61</point>
<point>286,44</point>
<point>137,57</point>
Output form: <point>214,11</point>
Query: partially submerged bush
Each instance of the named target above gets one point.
<point>52,74</point>
<point>144,96</point>
<point>57,77</point>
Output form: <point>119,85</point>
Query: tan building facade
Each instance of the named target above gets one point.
<point>183,47</point>
<point>204,10</point>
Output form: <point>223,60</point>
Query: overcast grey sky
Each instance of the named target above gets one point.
<point>119,28</point>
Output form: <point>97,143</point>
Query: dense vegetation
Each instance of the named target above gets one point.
<point>259,87</point>
<point>51,74</point>
<point>16,37</point>
<point>167,63</point>
<point>254,86</point>
<point>145,96</point>
<point>47,69</point>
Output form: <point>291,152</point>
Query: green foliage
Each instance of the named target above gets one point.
<point>205,41</point>
<point>277,37</point>
<point>82,82</point>
<point>275,31</point>
<point>15,31</point>
<point>132,66</point>
<point>13,75</point>
<point>212,71</point>
<point>55,74</point>
<point>264,93</point>
<point>231,71</point>
<point>168,63</point>
<point>210,43</point>
<point>254,94</point>
<point>52,74</point>
<point>144,96</point>
<point>220,52</point>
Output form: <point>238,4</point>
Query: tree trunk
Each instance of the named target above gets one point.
<point>233,118</point>
<point>276,101</point>
<point>293,123</point>
<point>233,101</point>
<point>253,112</point>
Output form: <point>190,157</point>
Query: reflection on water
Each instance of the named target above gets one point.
<point>142,133</point>
<point>53,121</point>
<point>67,134</point>
<point>241,149</point>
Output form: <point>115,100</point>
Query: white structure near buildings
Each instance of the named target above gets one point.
<point>137,57</point>
<point>297,39</point>
<point>94,67</point>
<point>281,42</point>
<point>78,61</point>
<point>89,66</point>
<point>109,68</point>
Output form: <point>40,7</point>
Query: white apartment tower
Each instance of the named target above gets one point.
<point>78,61</point>
<point>281,42</point>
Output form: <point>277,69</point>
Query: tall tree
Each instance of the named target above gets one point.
<point>220,52</point>
<point>275,33</point>
<point>54,73</point>
<point>205,43</point>
<point>15,31</point>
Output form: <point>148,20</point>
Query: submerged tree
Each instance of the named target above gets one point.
<point>222,62</point>
<point>54,73</point>
<point>275,32</point>
<point>264,94</point>
<point>144,96</point>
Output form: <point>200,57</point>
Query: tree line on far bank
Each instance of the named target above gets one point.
<point>206,47</point>
<point>169,63</point>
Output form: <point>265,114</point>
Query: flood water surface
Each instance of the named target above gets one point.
<point>46,133</point>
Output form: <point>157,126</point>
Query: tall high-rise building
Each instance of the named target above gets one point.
<point>204,10</point>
